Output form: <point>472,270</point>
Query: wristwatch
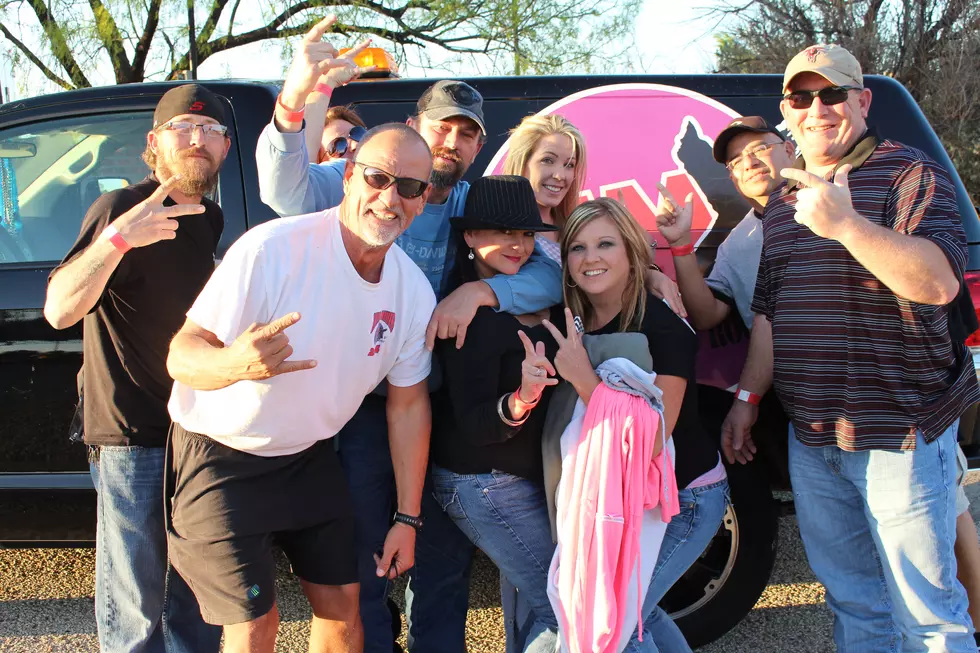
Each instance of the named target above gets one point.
<point>408,520</point>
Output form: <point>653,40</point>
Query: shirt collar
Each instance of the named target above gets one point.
<point>856,156</point>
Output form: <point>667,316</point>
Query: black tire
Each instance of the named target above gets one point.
<point>729,577</point>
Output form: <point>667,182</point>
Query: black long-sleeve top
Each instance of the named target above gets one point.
<point>468,436</point>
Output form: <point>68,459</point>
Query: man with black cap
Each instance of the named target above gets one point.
<point>863,257</point>
<point>143,255</point>
<point>450,118</point>
<point>754,153</point>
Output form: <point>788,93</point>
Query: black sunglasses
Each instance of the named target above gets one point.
<point>829,96</point>
<point>338,147</point>
<point>378,179</point>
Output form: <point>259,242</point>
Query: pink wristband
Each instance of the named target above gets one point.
<point>116,239</point>
<point>323,89</point>
<point>683,250</point>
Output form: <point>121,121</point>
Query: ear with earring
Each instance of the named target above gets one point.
<point>471,256</point>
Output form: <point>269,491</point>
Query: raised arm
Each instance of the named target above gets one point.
<point>76,287</point>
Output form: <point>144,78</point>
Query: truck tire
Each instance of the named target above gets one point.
<point>729,577</point>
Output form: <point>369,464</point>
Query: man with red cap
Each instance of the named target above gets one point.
<point>863,256</point>
<point>143,255</point>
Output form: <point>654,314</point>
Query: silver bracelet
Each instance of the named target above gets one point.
<point>503,418</point>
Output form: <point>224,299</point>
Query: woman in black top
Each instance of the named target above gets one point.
<point>605,253</point>
<point>486,437</point>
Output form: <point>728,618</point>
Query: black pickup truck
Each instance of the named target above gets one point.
<point>59,152</point>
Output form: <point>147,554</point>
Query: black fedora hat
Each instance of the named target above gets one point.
<point>501,202</point>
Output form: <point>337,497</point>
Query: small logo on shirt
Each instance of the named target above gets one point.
<point>383,325</point>
<point>253,592</point>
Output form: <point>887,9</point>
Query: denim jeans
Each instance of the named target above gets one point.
<point>688,535</point>
<point>141,603</point>
<point>507,517</point>
<point>878,528</point>
<point>437,598</point>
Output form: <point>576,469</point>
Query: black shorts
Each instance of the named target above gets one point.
<point>228,509</point>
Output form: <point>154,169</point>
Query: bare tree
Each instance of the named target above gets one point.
<point>930,46</point>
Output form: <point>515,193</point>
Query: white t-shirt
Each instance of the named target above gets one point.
<point>359,333</point>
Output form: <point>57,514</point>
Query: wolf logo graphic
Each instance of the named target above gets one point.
<point>381,328</point>
<point>813,52</point>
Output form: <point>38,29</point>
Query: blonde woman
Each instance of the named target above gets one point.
<point>606,253</point>
<point>550,151</point>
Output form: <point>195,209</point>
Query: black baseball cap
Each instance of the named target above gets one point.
<point>449,98</point>
<point>188,99</point>
<point>738,126</point>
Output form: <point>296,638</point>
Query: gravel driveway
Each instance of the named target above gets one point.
<point>46,603</point>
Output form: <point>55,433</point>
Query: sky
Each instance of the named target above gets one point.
<point>671,37</point>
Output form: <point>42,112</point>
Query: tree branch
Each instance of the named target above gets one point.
<point>59,46</point>
<point>108,31</point>
<point>34,60</point>
<point>143,46</point>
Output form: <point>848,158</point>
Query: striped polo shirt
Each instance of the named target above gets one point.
<point>855,365</point>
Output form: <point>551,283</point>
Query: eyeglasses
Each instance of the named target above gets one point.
<point>186,129</point>
<point>739,162</point>
<point>338,147</point>
<point>378,179</point>
<point>829,96</point>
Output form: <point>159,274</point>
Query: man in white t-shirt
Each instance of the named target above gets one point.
<point>254,409</point>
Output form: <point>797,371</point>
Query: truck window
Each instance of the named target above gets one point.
<point>52,171</point>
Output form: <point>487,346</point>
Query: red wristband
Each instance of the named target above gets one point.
<point>323,89</point>
<point>682,250</point>
<point>748,397</point>
<point>116,239</point>
<point>288,114</point>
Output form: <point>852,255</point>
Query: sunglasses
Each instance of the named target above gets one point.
<point>829,96</point>
<point>338,147</point>
<point>378,179</point>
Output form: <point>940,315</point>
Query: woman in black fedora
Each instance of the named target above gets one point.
<point>486,436</point>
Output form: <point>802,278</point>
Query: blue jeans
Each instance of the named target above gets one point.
<point>141,603</point>
<point>507,517</point>
<point>878,528</point>
<point>688,535</point>
<point>438,594</point>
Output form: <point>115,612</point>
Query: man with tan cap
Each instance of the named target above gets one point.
<point>863,252</point>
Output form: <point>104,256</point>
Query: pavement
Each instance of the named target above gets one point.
<point>46,603</point>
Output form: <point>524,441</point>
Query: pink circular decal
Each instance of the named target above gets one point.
<point>640,134</point>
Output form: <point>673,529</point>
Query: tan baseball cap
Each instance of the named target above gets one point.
<point>832,62</point>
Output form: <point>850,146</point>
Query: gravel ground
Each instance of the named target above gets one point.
<point>46,603</point>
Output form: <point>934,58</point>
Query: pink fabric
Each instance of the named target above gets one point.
<point>615,477</point>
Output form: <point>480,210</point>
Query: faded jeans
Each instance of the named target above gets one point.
<point>142,605</point>
<point>688,535</point>
<point>879,528</point>
<point>506,516</point>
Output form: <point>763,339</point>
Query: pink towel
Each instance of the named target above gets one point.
<point>615,477</point>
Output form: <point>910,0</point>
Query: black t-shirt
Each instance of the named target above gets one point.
<point>127,335</point>
<point>674,348</point>
<point>468,436</point>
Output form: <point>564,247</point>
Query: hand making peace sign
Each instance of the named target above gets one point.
<point>572,360</point>
<point>150,221</point>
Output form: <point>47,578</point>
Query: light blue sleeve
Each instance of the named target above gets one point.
<point>288,182</point>
<point>536,286</point>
